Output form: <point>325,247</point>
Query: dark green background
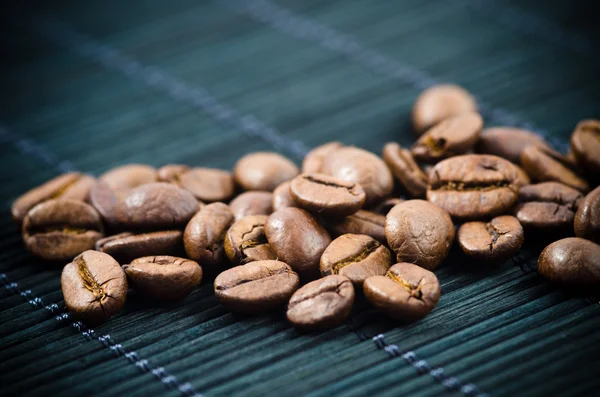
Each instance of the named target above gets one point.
<point>285,84</point>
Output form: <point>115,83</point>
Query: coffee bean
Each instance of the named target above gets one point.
<point>474,186</point>
<point>406,293</point>
<point>405,169</point>
<point>252,203</point>
<point>585,144</point>
<point>450,137</point>
<point>508,142</point>
<point>171,172</point>
<point>355,256</point>
<point>156,206</point>
<point>204,237</point>
<point>207,184</point>
<point>362,222</point>
<point>543,165</point>
<point>327,196</point>
<point>105,200</point>
<point>313,161</point>
<point>59,230</point>
<point>263,171</point>
<point>298,239</point>
<point>587,218</point>
<point>164,277</point>
<point>547,206</point>
<point>246,241</point>
<point>94,287</point>
<point>387,205</point>
<point>321,304</point>
<point>256,287</point>
<point>129,176</point>
<point>125,247</point>
<point>359,166</point>
<point>439,103</point>
<point>72,186</point>
<point>573,262</point>
<point>495,241</point>
<point>282,197</point>
<point>419,232</point>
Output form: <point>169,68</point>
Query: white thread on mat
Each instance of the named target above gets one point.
<point>159,373</point>
<point>197,97</point>
<point>303,28</point>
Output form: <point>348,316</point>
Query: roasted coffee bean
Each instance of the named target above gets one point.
<point>359,166</point>
<point>387,205</point>
<point>94,287</point>
<point>439,103</point>
<point>547,206</point>
<point>171,172</point>
<point>327,196</point>
<point>355,256</point>
<point>207,184</point>
<point>573,262</point>
<point>104,199</point>
<point>125,247</point>
<point>263,171</point>
<point>362,222</point>
<point>321,304</point>
<point>256,287</point>
<point>450,137</point>
<point>164,277</point>
<point>59,230</point>
<point>72,186</point>
<point>204,237</point>
<point>298,239</point>
<point>282,197</point>
<point>508,142</point>
<point>419,232</point>
<point>406,293</point>
<point>252,203</point>
<point>587,218</point>
<point>545,165</point>
<point>585,144</point>
<point>496,240</point>
<point>313,161</point>
<point>246,241</point>
<point>474,186</point>
<point>156,206</point>
<point>129,176</point>
<point>405,169</point>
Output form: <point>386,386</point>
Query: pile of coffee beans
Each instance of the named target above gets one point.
<point>348,222</point>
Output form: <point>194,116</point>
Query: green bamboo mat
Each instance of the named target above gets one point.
<point>90,85</point>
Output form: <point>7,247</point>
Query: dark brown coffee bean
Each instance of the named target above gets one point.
<point>387,205</point>
<point>406,293</point>
<point>355,256</point>
<point>359,166</point>
<point>263,171</point>
<point>207,184</point>
<point>450,137</point>
<point>252,203</point>
<point>59,230</point>
<point>156,206</point>
<point>94,287</point>
<point>105,201</point>
<point>313,161</point>
<point>204,237</point>
<point>282,197</point>
<point>256,287</point>
<point>474,186</point>
<point>544,165</point>
<point>72,186</point>
<point>419,232</point>
<point>585,144</point>
<point>129,176</point>
<point>327,196</point>
<point>164,277</point>
<point>573,262</point>
<point>321,304</point>
<point>439,103</point>
<point>405,169</point>
<point>587,218</point>
<point>496,240</point>
<point>362,222</point>
<point>246,241</point>
<point>298,239</point>
<point>171,172</point>
<point>547,206</point>
<point>125,247</point>
<point>508,142</point>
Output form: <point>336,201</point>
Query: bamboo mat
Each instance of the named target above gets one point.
<point>91,85</point>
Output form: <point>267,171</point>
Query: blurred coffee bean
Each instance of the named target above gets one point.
<point>125,247</point>
<point>439,103</point>
<point>543,166</point>
<point>405,169</point>
<point>587,218</point>
<point>313,161</point>
<point>263,171</point>
<point>252,203</point>
<point>508,142</point>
